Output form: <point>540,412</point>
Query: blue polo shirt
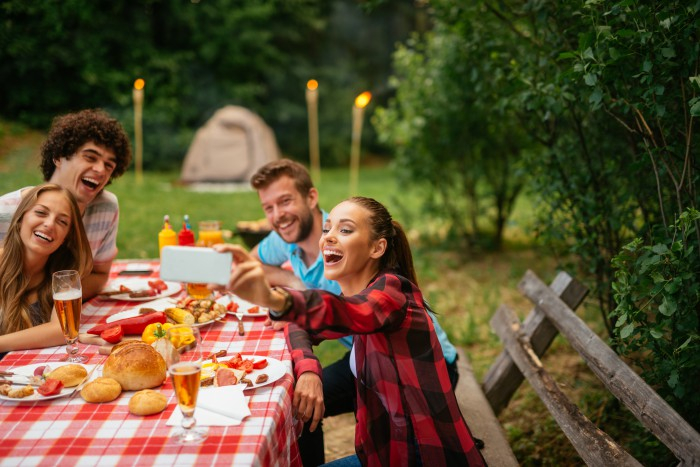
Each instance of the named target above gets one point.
<point>274,251</point>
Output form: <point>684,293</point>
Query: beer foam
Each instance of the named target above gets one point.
<point>71,294</point>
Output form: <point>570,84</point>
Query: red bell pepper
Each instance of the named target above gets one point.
<point>134,325</point>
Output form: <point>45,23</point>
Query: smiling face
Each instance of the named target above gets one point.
<point>46,224</point>
<point>350,254</point>
<point>290,213</point>
<point>86,173</point>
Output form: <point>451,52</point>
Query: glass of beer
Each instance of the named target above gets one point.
<point>68,302</point>
<point>185,369</point>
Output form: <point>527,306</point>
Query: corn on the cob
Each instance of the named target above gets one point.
<point>179,315</point>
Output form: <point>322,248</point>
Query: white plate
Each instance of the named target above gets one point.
<point>243,307</point>
<point>274,370</point>
<point>28,370</point>
<point>199,325</point>
<point>139,284</point>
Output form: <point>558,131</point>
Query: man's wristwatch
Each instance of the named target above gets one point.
<point>288,302</point>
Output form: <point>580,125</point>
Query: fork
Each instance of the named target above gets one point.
<point>241,330</point>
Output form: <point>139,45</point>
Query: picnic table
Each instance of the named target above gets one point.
<point>70,431</point>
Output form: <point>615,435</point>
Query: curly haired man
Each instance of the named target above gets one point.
<point>83,152</point>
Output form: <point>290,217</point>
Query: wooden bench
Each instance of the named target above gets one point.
<point>525,343</point>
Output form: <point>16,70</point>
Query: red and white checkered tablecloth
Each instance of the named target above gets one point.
<point>69,431</point>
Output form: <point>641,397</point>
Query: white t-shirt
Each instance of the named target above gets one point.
<point>101,220</point>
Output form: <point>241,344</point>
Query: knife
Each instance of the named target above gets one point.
<point>87,378</point>
<point>132,313</point>
<point>11,381</point>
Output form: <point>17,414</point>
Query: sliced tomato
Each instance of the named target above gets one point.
<point>247,365</point>
<point>158,285</point>
<point>260,364</point>
<point>123,288</point>
<point>50,387</point>
<point>232,306</point>
<point>254,309</point>
<point>113,335</point>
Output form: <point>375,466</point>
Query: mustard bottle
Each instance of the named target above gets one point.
<point>167,235</point>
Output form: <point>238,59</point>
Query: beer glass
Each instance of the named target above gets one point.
<point>68,302</point>
<point>185,369</point>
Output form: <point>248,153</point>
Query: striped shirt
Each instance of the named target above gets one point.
<point>101,220</point>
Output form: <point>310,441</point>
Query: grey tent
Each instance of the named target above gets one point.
<point>230,147</point>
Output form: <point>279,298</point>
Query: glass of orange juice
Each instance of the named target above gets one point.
<point>209,234</point>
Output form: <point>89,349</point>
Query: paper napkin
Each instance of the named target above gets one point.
<point>217,406</point>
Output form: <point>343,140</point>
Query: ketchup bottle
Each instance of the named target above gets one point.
<point>185,237</point>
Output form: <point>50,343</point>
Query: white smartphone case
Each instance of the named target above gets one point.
<point>195,264</point>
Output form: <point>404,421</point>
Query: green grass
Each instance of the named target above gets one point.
<point>142,205</point>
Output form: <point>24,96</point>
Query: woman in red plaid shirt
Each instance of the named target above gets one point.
<point>407,413</point>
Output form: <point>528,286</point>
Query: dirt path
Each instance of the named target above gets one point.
<point>339,436</point>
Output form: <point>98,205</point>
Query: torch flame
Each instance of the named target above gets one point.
<point>363,99</point>
<point>312,85</point>
<point>139,84</point>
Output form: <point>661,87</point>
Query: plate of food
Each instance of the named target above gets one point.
<point>252,370</point>
<point>43,381</point>
<point>197,312</point>
<point>139,290</point>
<point>235,305</point>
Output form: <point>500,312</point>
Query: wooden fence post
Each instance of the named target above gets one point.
<point>644,403</point>
<point>593,445</point>
<point>504,377</point>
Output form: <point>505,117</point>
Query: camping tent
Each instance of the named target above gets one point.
<point>230,147</point>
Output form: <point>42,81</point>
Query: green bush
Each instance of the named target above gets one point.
<point>657,288</point>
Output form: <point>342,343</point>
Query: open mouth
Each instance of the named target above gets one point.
<point>284,224</point>
<point>43,236</point>
<point>90,183</point>
<point>332,256</point>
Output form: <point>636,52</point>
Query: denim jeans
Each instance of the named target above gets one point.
<point>349,461</point>
<point>339,397</point>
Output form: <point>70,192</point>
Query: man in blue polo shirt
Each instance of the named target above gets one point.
<point>290,202</point>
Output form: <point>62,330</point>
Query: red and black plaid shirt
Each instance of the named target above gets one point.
<point>404,396</point>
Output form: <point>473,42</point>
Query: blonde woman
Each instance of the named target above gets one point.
<point>45,235</point>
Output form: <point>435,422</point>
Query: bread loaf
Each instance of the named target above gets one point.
<point>101,390</point>
<point>147,402</point>
<point>70,375</point>
<point>135,366</point>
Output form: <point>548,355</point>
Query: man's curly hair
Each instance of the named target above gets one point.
<point>69,132</point>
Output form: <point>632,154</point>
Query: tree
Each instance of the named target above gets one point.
<point>609,91</point>
<point>448,132</point>
<point>196,57</point>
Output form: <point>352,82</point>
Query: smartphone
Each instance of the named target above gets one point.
<point>195,264</point>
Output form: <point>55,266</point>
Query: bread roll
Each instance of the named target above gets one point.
<point>135,366</point>
<point>101,390</point>
<point>70,375</point>
<point>147,402</point>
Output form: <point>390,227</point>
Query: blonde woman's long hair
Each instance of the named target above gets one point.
<point>74,253</point>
